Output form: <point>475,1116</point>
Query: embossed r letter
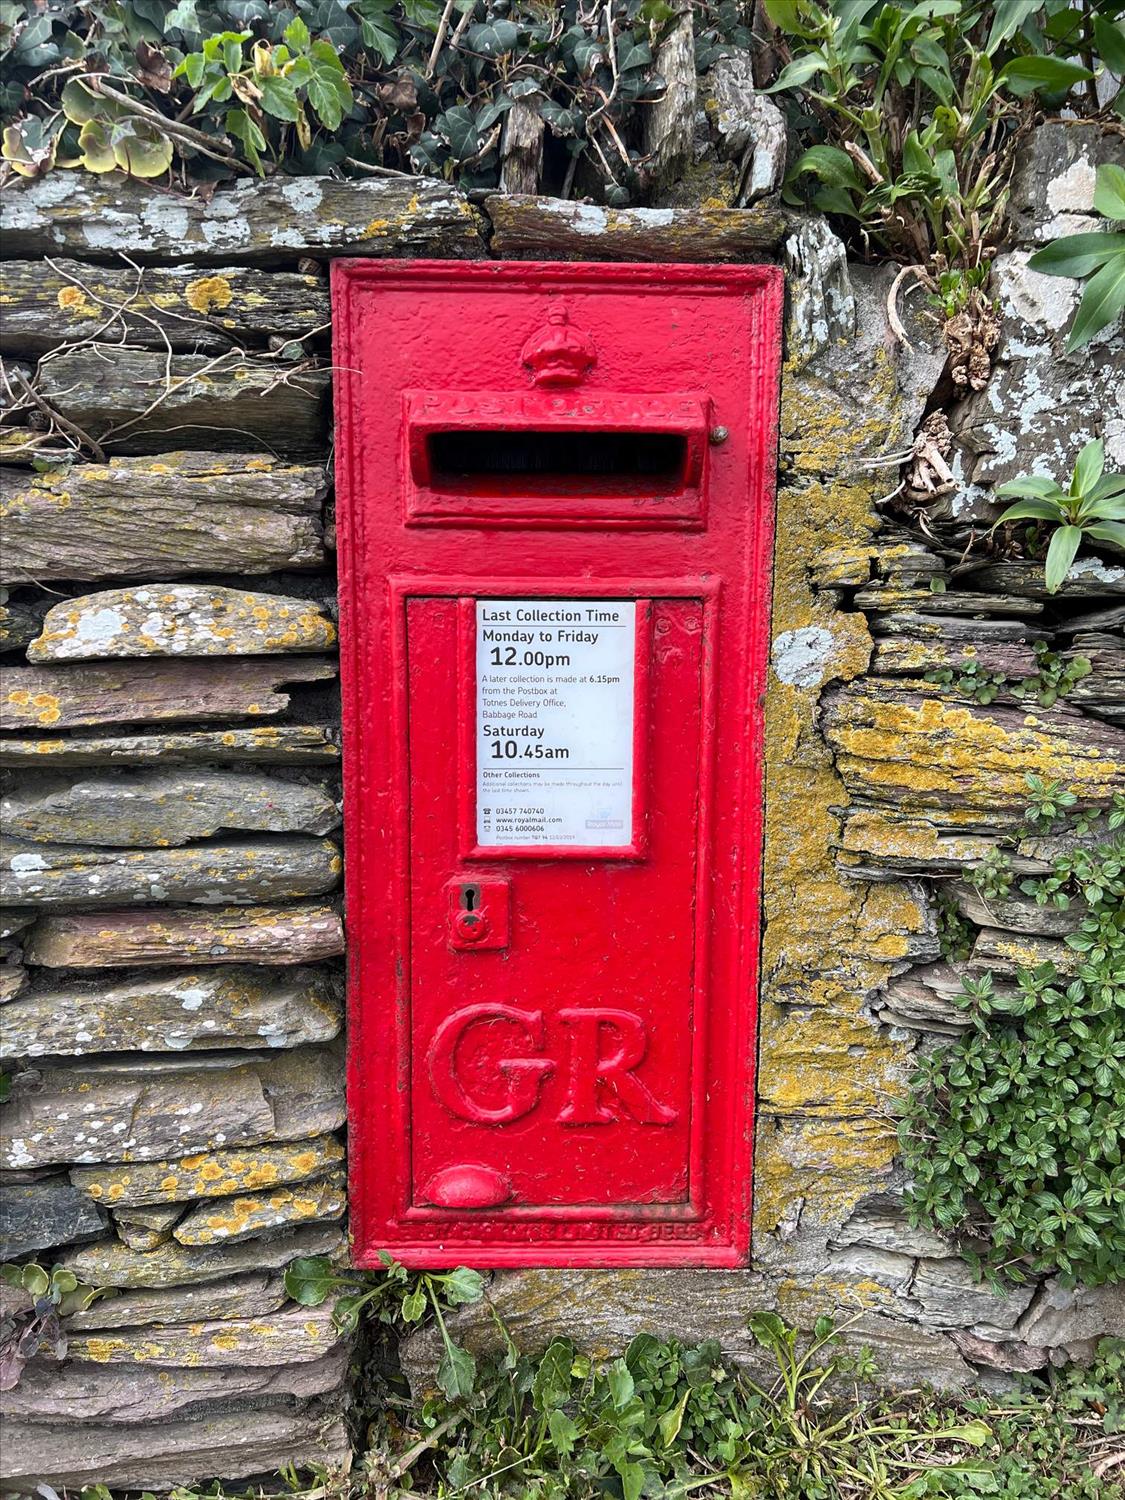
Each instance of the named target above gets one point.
<point>590,1071</point>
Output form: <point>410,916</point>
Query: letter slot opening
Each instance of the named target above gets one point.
<point>506,459</point>
<point>586,462</point>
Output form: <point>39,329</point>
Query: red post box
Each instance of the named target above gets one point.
<point>555,494</point>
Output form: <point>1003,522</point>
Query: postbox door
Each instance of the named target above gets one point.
<point>551,1066</point>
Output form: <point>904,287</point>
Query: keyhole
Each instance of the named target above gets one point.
<point>470,894</point>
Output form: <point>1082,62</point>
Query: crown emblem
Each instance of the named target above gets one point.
<point>558,353</point>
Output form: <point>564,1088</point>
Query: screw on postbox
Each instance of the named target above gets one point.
<point>555,517</point>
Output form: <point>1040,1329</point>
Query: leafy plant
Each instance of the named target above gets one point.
<point>1092,509</point>
<point>390,1296</point>
<point>910,111</point>
<point>213,88</point>
<point>1097,258</point>
<point>1014,1133</point>
<point>666,1419</point>
<point>34,1325</point>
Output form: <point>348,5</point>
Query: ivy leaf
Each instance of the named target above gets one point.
<point>493,38</point>
<point>458,126</point>
<point>378,29</point>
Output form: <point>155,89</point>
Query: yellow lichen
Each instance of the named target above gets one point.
<point>208,294</point>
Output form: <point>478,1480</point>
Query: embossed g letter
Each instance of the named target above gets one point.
<point>525,1075</point>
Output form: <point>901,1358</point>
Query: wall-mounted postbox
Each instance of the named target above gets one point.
<point>554,503</point>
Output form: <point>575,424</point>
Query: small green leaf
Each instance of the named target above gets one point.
<point>96,146</point>
<point>830,165</point>
<point>309,1280</point>
<point>1026,510</point>
<point>414,1304</point>
<point>297,34</point>
<point>463,1285</point>
<point>564,1433</point>
<point>1101,304</point>
<point>279,98</point>
<point>1060,555</point>
<point>620,1383</point>
<point>456,1372</point>
<point>1088,468</point>
<point>1109,191</point>
<point>551,1386</point>
<point>798,72</point>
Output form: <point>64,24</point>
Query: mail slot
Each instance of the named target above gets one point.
<point>554,506</point>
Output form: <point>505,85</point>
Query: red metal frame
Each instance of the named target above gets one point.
<point>715,337</point>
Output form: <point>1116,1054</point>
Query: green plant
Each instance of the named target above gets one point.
<point>1054,676</point>
<point>969,677</point>
<point>33,1326</point>
<point>669,1420</point>
<point>955,934</point>
<point>1092,509</point>
<point>213,88</point>
<point>1098,258</point>
<point>993,876</point>
<point>393,1295</point>
<point>910,111</point>
<point>1014,1134</point>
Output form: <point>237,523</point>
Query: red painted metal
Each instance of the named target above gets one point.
<point>568,1079</point>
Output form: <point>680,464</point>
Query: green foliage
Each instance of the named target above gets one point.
<point>1014,1133</point>
<point>34,1326</point>
<point>1092,509</point>
<point>216,87</point>
<point>955,934</point>
<point>909,111</point>
<point>393,1295</point>
<point>993,876</point>
<point>665,1419</point>
<point>1097,258</point>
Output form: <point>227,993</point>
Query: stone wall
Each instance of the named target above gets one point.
<point>171,802</point>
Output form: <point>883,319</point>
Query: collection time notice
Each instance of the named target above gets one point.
<point>554,721</point>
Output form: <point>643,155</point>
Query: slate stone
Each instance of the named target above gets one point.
<point>245,1296</point>
<point>161,808</point>
<point>180,619</point>
<point>271,868</point>
<point>1060,1315</point>
<point>110,1263</point>
<point>163,1455</point>
<point>208,1174</point>
<point>315,744</point>
<point>174,1010</point>
<point>295,1335</point>
<point>950,1295</point>
<point>41,1215</point>
<point>162,1107</point>
<point>247,1215</point>
<point>51,1394</point>
<point>187,935</point>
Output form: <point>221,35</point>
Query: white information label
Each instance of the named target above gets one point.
<point>555,722</point>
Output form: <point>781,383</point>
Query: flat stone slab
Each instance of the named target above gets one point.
<point>922,751</point>
<point>110,1263</point>
<point>271,222</point>
<point>180,619</point>
<point>174,1010</point>
<point>160,808</point>
<point>296,1335</point>
<point>281,744</point>
<point>559,229</point>
<point>158,1109</point>
<point>49,1394</point>
<point>129,692</point>
<point>41,1215</point>
<point>141,401</point>
<point>59,301</point>
<point>247,1296</point>
<point>208,1174</point>
<point>183,935</point>
<point>167,1455</point>
<point>246,1215</point>
<point>161,518</point>
<point>275,869</point>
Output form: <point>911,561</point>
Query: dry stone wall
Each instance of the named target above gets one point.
<point>169,746</point>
